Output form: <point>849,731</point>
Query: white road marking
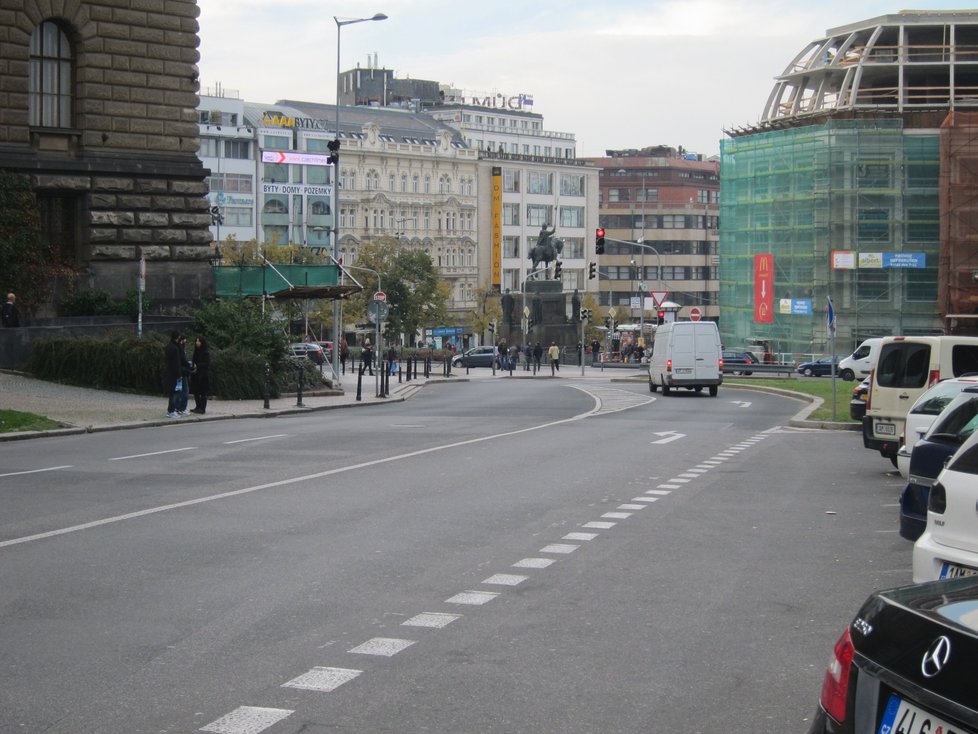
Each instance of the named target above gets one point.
<point>257,438</point>
<point>505,579</point>
<point>36,471</point>
<point>677,480</point>
<point>386,647</point>
<point>323,679</point>
<point>617,515</point>
<point>597,525</point>
<point>247,720</point>
<point>473,597</point>
<point>534,562</point>
<point>559,548</point>
<point>689,475</point>
<point>431,619</point>
<point>662,492</point>
<point>153,453</point>
<point>645,499</point>
<point>580,536</point>
<point>630,507</point>
<point>669,437</point>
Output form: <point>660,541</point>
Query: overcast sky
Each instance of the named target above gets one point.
<point>626,74</point>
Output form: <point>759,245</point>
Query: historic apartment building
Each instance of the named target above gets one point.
<point>98,103</point>
<point>667,200</point>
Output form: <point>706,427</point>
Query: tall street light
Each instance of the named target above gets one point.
<point>340,22</point>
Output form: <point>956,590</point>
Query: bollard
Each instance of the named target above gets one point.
<point>360,384</point>
<point>266,383</point>
<point>298,401</point>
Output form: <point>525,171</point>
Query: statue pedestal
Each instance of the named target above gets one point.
<point>547,304</point>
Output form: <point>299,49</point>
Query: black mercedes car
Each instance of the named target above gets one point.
<point>907,664</point>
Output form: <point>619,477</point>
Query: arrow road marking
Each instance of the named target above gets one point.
<point>669,437</point>
<point>742,403</point>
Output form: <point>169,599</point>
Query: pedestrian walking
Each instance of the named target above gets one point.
<point>344,354</point>
<point>595,352</point>
<point>537,355</point>
<point>200,378</point>
<point>392,360</point>
<point>554,354</point>
<point>503,351</point>
<point>171,373</point>
<point>514,356</point>
<point>367,358</point>
<point>528,355</point>
<point>11,317</point>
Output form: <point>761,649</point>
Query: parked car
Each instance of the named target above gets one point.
<point>906,664</point>
<point>857,406</point>
<point>816,368</point>
<point>734,361</point>
<point>923,412</point>
<point>308,349</point>
<point>949,544</point>
<point>477,357</point>
<point>905,368</point>
<point>944,437</point>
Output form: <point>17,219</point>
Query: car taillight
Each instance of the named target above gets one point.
<point>937,499</point>
<point>835,687</point>
<point>668,365</point>
<point>720,364</point>
<point>935,377</point>
<point>869,390</point>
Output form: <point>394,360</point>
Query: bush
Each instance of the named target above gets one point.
<point>100,303</point>
<point>241,325</point>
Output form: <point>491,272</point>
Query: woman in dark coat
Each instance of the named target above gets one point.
<point>200,381</point>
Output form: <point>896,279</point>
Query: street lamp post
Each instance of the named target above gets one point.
<point>336,185</point>
<point>377,334</point>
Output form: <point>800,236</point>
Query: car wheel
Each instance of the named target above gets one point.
<point>848,375</point>
<point>807,372</point>
<point>651,386</point>
<point>697,389</point>
<point>748,373</point>
<point>714,389</point>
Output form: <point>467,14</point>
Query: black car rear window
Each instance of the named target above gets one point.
<point>964,359</point>
<point>904,365</point>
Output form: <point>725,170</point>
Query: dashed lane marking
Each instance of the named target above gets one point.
<point>384,646</point>
<point>323,680</point>
<point>247,720</point>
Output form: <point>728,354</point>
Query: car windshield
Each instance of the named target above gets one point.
<point>959,421</point>
<point>935,400</point>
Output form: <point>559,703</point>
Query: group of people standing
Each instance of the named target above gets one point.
<point>509,357</point>
<point>185,376</point>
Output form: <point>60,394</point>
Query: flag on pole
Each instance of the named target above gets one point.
<point>830,316</point>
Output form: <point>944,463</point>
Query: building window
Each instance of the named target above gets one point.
<point>511,246</point>
<point>923,225</point>
<point>511,214</point>
<point>49,77</point>
<point>572,216</point>
<point>540,183</point>
<point>873,225</point>
<point>511,181</point>
<point>617,195</point>
<point>571,185</point>
<point>921,285</point>
<point>538,215</point>
<point>872,285</point>
<point>238,149</point>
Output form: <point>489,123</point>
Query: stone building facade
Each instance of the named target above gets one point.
<point>98,107</point>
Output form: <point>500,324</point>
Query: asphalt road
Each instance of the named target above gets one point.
<point>494,556</point>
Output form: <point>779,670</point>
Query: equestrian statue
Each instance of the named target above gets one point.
<point>547,247</point>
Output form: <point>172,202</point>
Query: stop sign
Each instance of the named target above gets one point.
<point>695,314</point>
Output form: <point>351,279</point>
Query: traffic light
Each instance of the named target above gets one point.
<point>492,327</point>
<point>334,152</point>
<point>583,314</point>
<point>592,271</point>
<point>660,318</point>
<point>599,241</point>
<point>558,268</point>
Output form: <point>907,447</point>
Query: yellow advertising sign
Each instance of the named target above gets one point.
<point>496,271</point>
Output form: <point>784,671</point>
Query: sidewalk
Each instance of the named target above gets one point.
<point>84,410</point>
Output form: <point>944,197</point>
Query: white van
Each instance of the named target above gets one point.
<point>686,354</point>
<point>858,364</point>
<point>905,368</point>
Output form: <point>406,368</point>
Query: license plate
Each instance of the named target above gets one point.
<point>901,717</point>
<point>885,429</point>
<point>954,571</point>
<point>684,370</point>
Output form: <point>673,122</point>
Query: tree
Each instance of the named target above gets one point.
<point>489,310</point>
<point>29,264</point>
<point>415,294</point>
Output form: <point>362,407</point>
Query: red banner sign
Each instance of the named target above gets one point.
<point>764,289</point>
